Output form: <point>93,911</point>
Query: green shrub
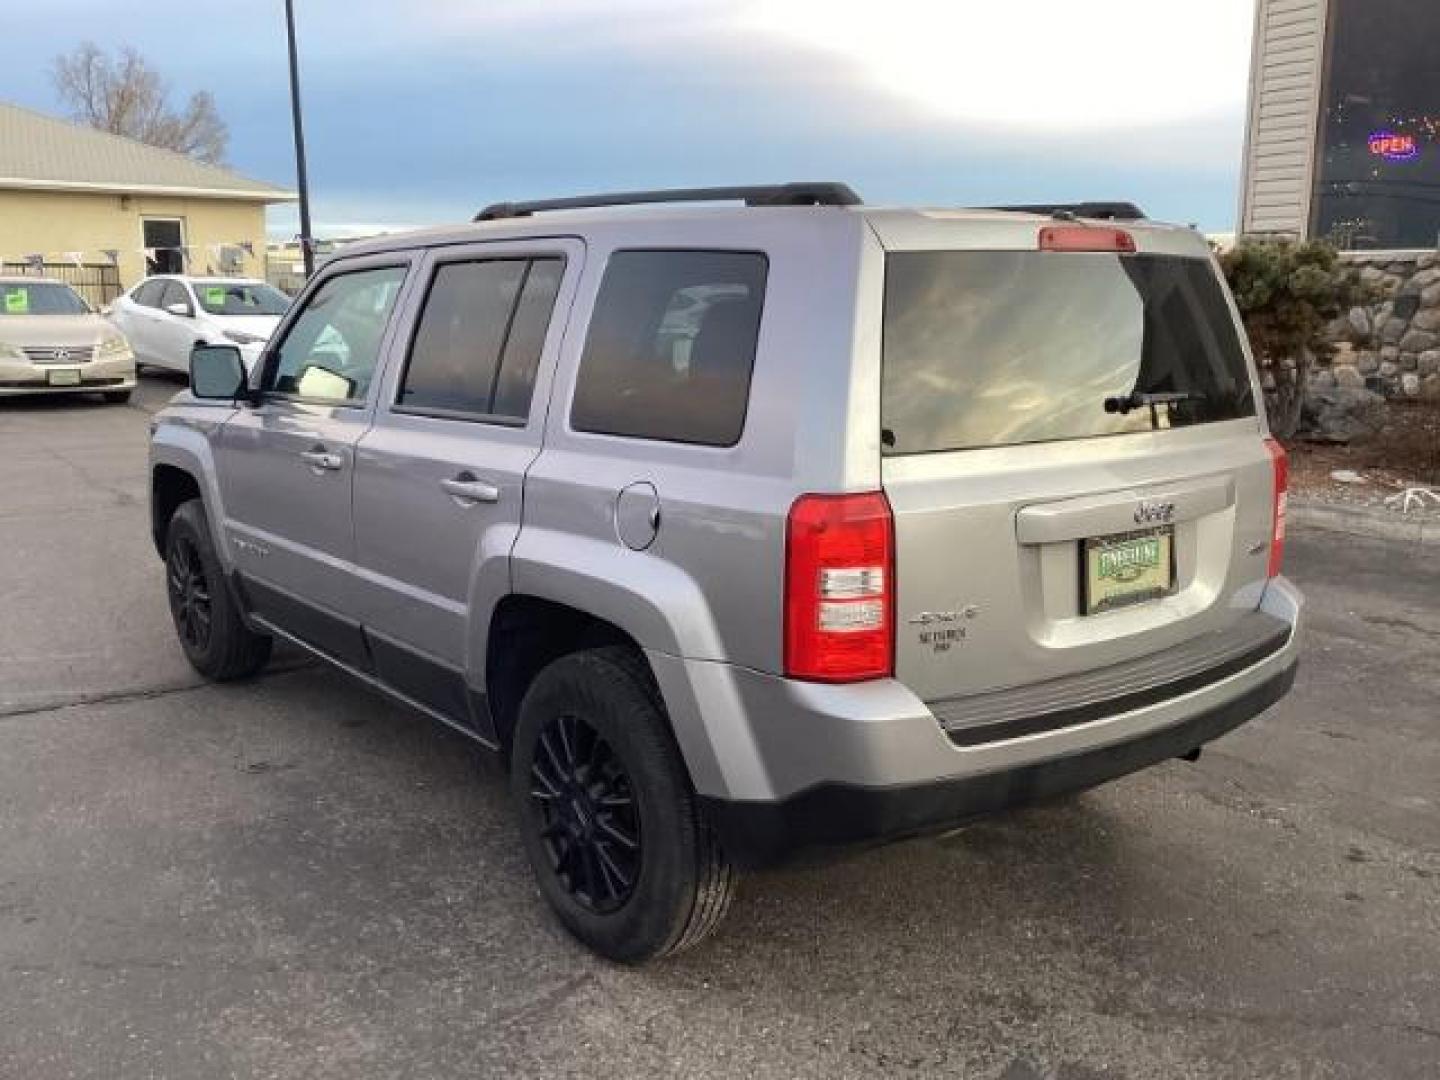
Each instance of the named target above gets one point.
<point>1288,293</point>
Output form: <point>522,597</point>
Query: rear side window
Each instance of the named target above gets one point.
<point>996,348</point>
<point>478,344</point>
<point>671,346</point>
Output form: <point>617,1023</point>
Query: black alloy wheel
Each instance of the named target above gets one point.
<point>586,809</point>
<point>190,596</point>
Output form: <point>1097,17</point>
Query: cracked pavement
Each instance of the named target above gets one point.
<point>292,877</point>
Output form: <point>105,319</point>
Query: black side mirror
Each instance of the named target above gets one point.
<point>217,373</point>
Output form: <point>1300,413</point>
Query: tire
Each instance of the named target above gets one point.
<point>116,397</point>
<point>207,619</point>
<point>593,763</point>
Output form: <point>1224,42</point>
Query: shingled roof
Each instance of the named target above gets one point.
<point>43,153</point>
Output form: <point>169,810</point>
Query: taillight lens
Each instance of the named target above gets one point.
<point>1280,468</point>
<point>1085,238</point>
<point>839,588</point>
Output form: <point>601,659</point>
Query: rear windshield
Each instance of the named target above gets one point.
<point>240,298</point>
<point>995,348</point>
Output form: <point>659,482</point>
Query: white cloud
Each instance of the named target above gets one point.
<point>1040,64</point>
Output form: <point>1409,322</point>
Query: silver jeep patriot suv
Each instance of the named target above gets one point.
<point>747,530</point>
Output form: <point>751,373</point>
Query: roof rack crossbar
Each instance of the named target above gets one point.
<point>1103,211</point>
<point>804,194</point>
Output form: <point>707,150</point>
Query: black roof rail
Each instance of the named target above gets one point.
<point>812,194</point>
<point>1104,211</point>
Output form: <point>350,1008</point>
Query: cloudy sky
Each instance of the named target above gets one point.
<point>420,111</point>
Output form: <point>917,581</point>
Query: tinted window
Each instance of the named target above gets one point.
<point>40,298</point>
<point>330,351</point>
<point>148,293</point>
<point>456,353</point>
<point>531,320</point>
<point>671,346</point>
<point>992,348</point>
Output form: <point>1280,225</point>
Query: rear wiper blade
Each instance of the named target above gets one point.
<point>1138,400</point>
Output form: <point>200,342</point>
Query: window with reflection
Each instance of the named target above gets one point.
<point>1377,175</point>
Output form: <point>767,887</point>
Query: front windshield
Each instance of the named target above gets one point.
<point>40,298</point>
<point>240,298</point>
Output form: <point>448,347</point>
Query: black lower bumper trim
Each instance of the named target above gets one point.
<point>836,815</point>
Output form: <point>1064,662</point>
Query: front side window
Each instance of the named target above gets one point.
<point>671,346</point>
<point>331,350</point>
<point>147,293</point>
<point>478,343</point>
<point>175,293</point>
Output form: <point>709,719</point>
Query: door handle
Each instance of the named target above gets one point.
<point>322,459</point>
<point>466,489</point>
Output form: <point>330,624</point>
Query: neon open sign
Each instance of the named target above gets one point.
<point>1392,147</point>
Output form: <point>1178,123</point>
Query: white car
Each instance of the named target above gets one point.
<point>165,317</point>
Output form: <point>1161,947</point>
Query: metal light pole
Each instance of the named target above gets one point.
<point>307,244</point>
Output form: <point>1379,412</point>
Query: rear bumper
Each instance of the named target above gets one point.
<point>836,815</point>
<point>785,765</point>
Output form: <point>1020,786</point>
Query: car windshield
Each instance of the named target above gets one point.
<point>996,348</point>
<point>240,298</point>
<point>40,298</point>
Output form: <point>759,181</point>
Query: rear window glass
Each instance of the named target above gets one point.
<point>671,346</point>
<point>996,348</point>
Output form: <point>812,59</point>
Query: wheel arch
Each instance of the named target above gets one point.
<point>526,634</point>
<point>170,488</point>
<point>182,467</point>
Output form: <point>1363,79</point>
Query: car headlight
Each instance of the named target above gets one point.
<point>239,337</point>
<point>10,352</point>
<point>111,348</point>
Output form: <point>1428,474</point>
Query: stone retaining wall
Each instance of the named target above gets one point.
<point>1392,347</point>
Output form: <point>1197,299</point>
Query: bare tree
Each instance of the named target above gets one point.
<point>124,95</point>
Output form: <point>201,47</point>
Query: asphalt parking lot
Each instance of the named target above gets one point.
<point>293,878</point>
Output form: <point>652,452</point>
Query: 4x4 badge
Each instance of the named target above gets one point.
<point>930,618</point>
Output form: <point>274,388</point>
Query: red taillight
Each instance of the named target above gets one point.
<point>1085,238</point>
<point>839,588</point>
<point>1280,468</point>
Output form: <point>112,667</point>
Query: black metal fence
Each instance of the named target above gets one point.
<point>98,283</point>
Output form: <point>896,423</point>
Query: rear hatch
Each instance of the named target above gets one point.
<point>1071,449</point>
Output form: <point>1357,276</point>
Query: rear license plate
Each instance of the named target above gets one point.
<point>1127,569</point>
<point>64,377</point>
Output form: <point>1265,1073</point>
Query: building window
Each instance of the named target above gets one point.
<point>164,245</point>
<point>1377,176</point>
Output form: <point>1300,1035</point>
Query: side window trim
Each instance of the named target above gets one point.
<point>397,260</point>
<point>441,260</point>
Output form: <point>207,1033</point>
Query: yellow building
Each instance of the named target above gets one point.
<point>79,197</point>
